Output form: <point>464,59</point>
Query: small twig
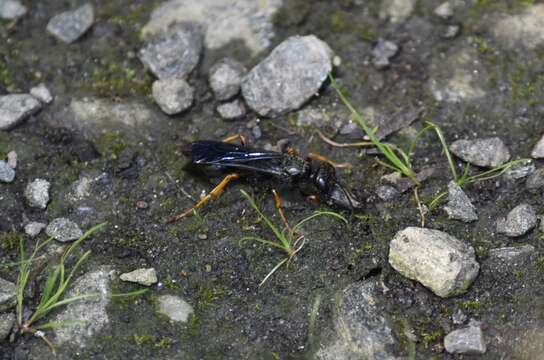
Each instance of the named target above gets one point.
<point>343,145</point>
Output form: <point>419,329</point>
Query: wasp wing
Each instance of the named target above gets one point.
<point>206,152</point>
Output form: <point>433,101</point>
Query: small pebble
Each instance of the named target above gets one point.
<point>451,31</point>
<point>518,222</point>
<point>231,110</point>
<point>538,150</point>
<point>486,152</point>
<point>15,108</point>
<point>175,308</point>
<point>11,9</point>
<point>386,192</point>
<point>37,193</point>
<point>173,95</point>
<point>469,340</point>
<point>146,277</point>
<point>142,204</point>
<point>71,25</point>
<point>225,78</point>
<point>7,321</point>
<point>12,159</point>
<point>33,228</point>
<point>535,181</point>
<point>459,206</point>
<point>382,52</point>
<point>42,93</point>
<point>63,230</point>
<point>7,174</point>
<point>444,10</point>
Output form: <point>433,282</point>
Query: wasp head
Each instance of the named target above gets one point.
<point>324,179</point>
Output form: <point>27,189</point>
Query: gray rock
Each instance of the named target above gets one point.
<point>231,110</point>
<point>292,73</point>
<point>458,317</point>
<point>458,77</point>
<point>518,222</point>
<point>382,52</point>
<point>33,228</point>
<point>512,255</point>
<point>174,52</point>
<point>175,308</point>
<point>173,95</point>
<point>91,314</point>
<point>7,174</point>
<point>459,206</point>
<point>11,9</point>
<point>12,159</point>
<point>15,108</point>
<point>94,117</point>
<point>313,117</point>
<point>71,25</point>
<point>535,180</point>
<point>397,11</point>
<point>224,21</point>
<point>444,10</point>
<point>63,230</point>
<point>468,340</point>
<point>225,78</point>
<point>386,192</point>
<point>451,31</point>
<point>37,193</point>
<point>538,150</point>
<point>439,261</point>
<point>526,29</point>
<point>80,189</point>
<point>487,152</point>
<point>7,321</point>
<point>145,277</point>
<point>361,330</point>
<point>42,93</point>
<point>520,171</point>
<point>8,294</point>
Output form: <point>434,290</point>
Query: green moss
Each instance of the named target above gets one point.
<point>164,343</point>
<point>142,339</point>
<point>540,263</point>
<point>112,79</point>
<point>6,78</point>
<point>10,240</point>
<point>431,338</point>
<point>169,204</point>
<point>471,305</point>
<point>110,145</point>
<point>146,340</point>
<point>518,273</point>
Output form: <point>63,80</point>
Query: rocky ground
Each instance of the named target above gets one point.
<point>96,96</point>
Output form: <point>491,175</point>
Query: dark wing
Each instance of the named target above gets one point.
<point>206,152</point>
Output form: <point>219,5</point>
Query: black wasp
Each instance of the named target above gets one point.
<point>315,176</point>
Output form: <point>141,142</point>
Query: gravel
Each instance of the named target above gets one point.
<point>224,22</point>
<point>397,11</point>
<point>11,9</point>
<point>292,73</point>
<point>91,313</point>
<point>7,321</point>
<point>226,78</point>
<point>361,329</point>
<point>8,294</point>
<point>468,340</point>
<point>538,150</point>
<point>518,222</point>
<point>535,180</point>
<point>439,261</point>
<point>15,108</point>
<point>512,255</point>
<point>387,193</point>
<point>175,308</point>
<point>146,277</point>
<point>37,193</point>
<point>459,206</point>
<point>7,174</point>
<point>231,110</point>
<point>12,159</point>
<point>487,152</point>
<point>382,52</point>
<point>173,52</point>
<point>42,93</point>
<point>71,25</point>
<point>173,95</point>
<point>33,228</point>
<point>444,10</point>
<point>63,230</point>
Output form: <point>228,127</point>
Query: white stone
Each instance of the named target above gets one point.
<point>175,308</point>
<point>526,29</point>
<point>42,93</point>
<point>538,150</point>
<point>146,277</point>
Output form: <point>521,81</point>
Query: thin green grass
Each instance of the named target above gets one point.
<point>57,282</point>
<point>289,241</point>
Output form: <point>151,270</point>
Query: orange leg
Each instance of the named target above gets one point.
<point>313,156</point>
<point>214,194</point>
<point>277,202</point>
<point>234,138</point>
<point>313,199</point>
<point>292,151</point>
